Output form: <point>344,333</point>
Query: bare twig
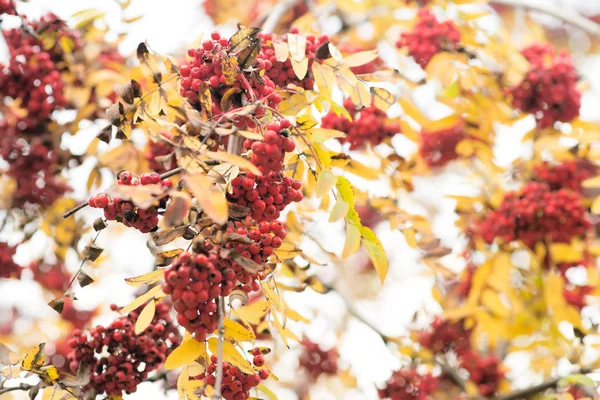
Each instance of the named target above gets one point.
<point>22,386</point>
<point>530,391</point>
<point>166,175</point>
<point>276,14</point>
<point>569,16</point>
<point>80,267</point>
<point>219,379</point>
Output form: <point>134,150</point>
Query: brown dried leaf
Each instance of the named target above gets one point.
<point>84,279</point>
<point>92,252</point>
<point>165,236</point>
<point>247,56</point>
<point>230,69</point>
<point>243,38</point>
<point>105,134</point>
<point>166,257</point>
<point>227,99</point>
<point>178,209</point>
<point>57,304</point>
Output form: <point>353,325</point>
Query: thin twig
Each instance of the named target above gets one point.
<point>22,386</point>
<point>530,391</point>
<point>276,14</point>
<point>219,379</point>
<point>80,267</point>
<point>166,175</point>
<point>569,16</point>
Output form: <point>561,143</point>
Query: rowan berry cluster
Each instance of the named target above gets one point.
<point>6,7</point>
<point>213,71</point>
<point>408,384</point>
<point>437,148</point>
<point>34,168</point>
<point>565,175</point>
<point>268,154</point>
<point>549,90</point>
<point>575,295</point>
<point>316,361</point>
<point>282,73</point>
<point>266,195</point>
<point>144,220</point>
<point>368,125</point>
<point>160,155</point>
<point>535,213</point>
<point>53,277</point>
<point>429,37</point>
<point>119,359</point>
<point>485,371</point>
<point>368,68</point>
<point>8,268</point>
<point>443,336</point>
<point>257,242</point>
<point>236,385</point>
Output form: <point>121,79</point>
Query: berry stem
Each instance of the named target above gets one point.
<point>221,331</point>
<point>22,386</point>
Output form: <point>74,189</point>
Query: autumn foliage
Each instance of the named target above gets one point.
<point>280,164</point>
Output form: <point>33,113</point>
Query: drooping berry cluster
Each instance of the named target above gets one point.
<point>119,359</point>
<point>408,384</point>
<point>536,213</point>
<point>368,125</point>
<point>207,72</point>
<point>282,73</point>
<point>548,90</point>
<point>6,7</point>
<point>144,220</point>
<point>575,295</point>
<point>443,336</point>
<point>485,371</point>
<point>264,238</point>
<point>437,148</point>
<point>34,168</point>
<point>194,282</point>
<point>53,277</point>
<point>268,154</point>
<point>266,195</point>
<point>161,155</point>
<point>316,361</point>
<point>565,175</point>
<point>236,385</point>
<point>368,68</point>
<point>8,268</point>
<point>428,37</point>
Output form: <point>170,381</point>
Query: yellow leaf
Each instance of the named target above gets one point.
<point>271,295</point>
<point>325,182</point>
<point>241,162</point>
<point>132,19</point>
<point>166,257</point>
<point>339,210</point>
<point>360,58</point>
<point>145,317</point>
<point>293,315</point>
<point>382,99</point>
<point>297,46</point>
<point>210,196</point>
<point>293,105</point>
<point>376,252</point>
<point>465,148</point>
<point>67,44</point>
<point>412,111</point>
<point>35,358</point>
<point>231,355</point>
<point>352,243</point>
<point>253,312</point>
<point>185,354</point>
<point>567,252</point>
<point>281,51</point>
<point>596,206</point>
<point>267,391</point>
<point>235,332</point>
<point>361,95</point>
<point>491,300</point>
<point>147,279</point>
<point>300,68</point>
<point>339,111</point>
<point>154,293</point>
<point>95,179</point>
<point>320,135</point>
<point>591,182</point>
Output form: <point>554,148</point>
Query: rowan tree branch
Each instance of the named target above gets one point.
<point>22,386</point>
<point>530,391</point>
<point>569,15</point>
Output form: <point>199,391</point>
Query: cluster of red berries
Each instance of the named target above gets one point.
<point>266,195</point>
<point>6,7</point>
<point>194,282</point>
<point>536,213</point>
<point>437,148</point>
<point>119,359</point>
<point>34,168</point>
<point>575,295</point>
<point>443,336</point>
<point>236,385</point>
<point>408,384</point>
<point>161,155</point>
<point>429,37</point>
<point>368,125</point>
<point>264,238</point>
<point>8,268</point>
<point>282,73</point>
<point>53,277</point>
<point>565,175</point>
<point>549,89</point>
<point>144,220</point>
<point>368,68</point>
<point>268,154</point>
<point>316,361</point>
<point>485,371</point>
<point>206,70</point>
